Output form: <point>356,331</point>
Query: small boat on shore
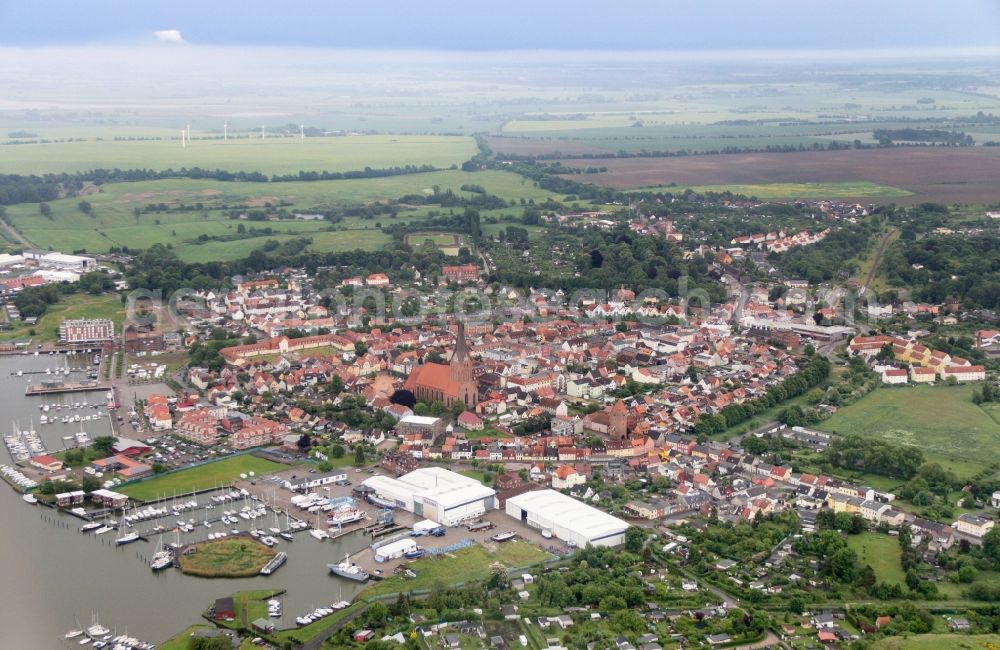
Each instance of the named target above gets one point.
<point>415,553</point>
<point>348,570</point>
<point>504,537</point>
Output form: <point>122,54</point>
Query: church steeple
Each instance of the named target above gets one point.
<point>461,351</point>
<point>461,358</point>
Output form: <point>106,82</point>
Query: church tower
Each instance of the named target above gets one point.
<point>461,369</point>
<point>618,421</point>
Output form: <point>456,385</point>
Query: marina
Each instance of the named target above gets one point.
<point>59,547</point>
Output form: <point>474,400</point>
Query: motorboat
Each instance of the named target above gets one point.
<point>30,498</point>
<point>415,553</point>
<point>504,537</point>
<point>348,570</point>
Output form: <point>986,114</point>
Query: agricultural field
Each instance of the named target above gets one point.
<point>209,475</point>
<point>73,306</point>
<point>944,175</point>
<point>880,551</point>
<point>278,155</point>
<point>941,420</point>
<point>817,191</point>
<point>113,220</point>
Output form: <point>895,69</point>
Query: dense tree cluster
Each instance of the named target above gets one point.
<point>938,267</point>
<point>833,257</point>
<point>855,452</point>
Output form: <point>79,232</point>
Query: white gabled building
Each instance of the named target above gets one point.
<point>437,494</point>
<point>570,520</point>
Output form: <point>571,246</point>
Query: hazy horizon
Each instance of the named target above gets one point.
<point>516,25</point>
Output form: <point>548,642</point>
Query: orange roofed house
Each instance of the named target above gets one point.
<point>449,383</point>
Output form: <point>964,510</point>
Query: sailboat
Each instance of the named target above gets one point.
<point>162,558</point>
<point>75,632</point>
<point>123,537</point>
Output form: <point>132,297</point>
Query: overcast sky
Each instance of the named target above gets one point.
<point>509,24</point>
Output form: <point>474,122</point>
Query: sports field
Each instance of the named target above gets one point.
<point>880,551</point>
<point>276,155</point>
<point>201,477</point>
<point>941,420</point>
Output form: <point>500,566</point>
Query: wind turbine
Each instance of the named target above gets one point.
<point>302,131</point>
<point>183,141</point>
<point>225,131</point>
<point>261,131</point>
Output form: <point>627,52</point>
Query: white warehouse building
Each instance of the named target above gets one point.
<point>436,493</point>
<point>570,520</point>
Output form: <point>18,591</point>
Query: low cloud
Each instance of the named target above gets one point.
<point>169,36</point>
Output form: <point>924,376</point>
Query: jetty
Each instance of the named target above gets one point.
<point>56,387</point>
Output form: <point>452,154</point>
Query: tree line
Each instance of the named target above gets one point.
<point>815,372</point>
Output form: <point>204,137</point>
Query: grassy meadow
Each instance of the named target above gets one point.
<point>113,221</point>
<point>276,155</point>
<point>880,551</point>
<point>938,642</point>
<point>472,563</point>
<point>72,306</point>
<point>205,476</point>
<point>941,420</point>
<point>230,557</point>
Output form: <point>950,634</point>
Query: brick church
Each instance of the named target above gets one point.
<point>446,382</point>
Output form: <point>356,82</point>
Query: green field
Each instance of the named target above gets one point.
<point>941,420</point>
<point>858,190</point>
<point>438,239</point>
<point>201,477</point>
<point>471,563</point>
<point>939,642</point>
<point>73,306</point>
<point>180,641</point>
<point>882,553</point>
<point>231,557</point>
<point>113,221</point>
<point>278,155</point>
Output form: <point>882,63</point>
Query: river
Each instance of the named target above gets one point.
<point>54,575</point>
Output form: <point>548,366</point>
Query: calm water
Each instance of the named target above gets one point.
<point>53,574</point>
